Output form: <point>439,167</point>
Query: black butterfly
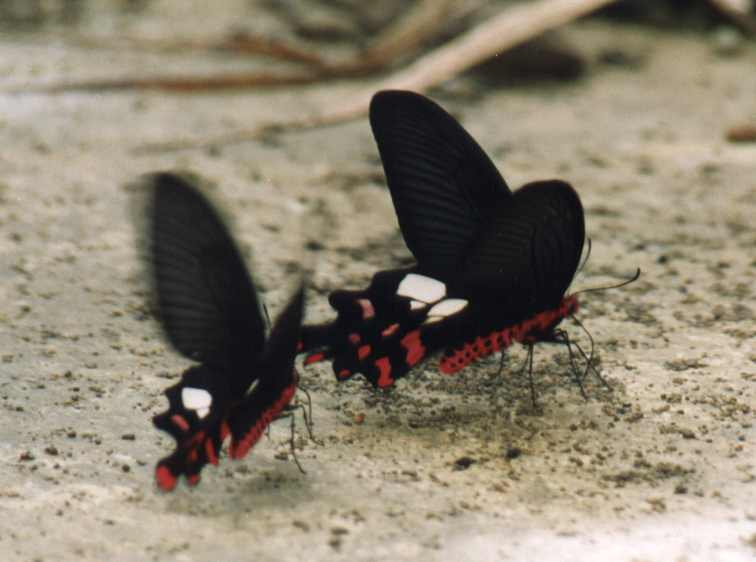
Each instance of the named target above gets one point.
<point>492,266</point>
<point>210,312</point>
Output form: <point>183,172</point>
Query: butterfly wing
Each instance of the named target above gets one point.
<point>204,409</point>
<point>205,298</point>
<point>528,256</point>
<point>209,311</point>
<point>196,418</point>
<point>443,185</point>
<point>445,191</point>
<point>385,330</point>
<point>521,267</point>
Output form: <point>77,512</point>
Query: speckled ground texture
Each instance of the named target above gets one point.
<point>440,468</point>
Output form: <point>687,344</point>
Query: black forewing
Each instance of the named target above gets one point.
<point>443,184</point>
<point>206,301</point>
<point>526,260</point>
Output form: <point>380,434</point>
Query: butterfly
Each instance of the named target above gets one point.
<point>210,313</point>
<point>492,265</point>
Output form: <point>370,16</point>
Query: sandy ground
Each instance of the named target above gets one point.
<point>441,468</point>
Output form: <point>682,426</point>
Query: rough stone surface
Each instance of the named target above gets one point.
<point>440,468</point>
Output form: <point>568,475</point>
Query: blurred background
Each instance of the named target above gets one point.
<point>347,38</point>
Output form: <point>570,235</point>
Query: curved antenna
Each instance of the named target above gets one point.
<point>617,286</point>
<point>585,260</point>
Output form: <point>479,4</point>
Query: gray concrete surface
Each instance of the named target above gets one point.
<point>662,469</point>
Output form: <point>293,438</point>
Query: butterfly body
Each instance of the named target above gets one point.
<point>492,265</point>
<point>210,313</point>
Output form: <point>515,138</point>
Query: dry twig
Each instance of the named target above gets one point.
<point>422,23</point>
<point>512,27</point>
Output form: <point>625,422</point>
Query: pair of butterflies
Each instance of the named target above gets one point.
<point>492,268</point>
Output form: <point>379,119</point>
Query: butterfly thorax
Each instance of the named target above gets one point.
<point>540,326</point>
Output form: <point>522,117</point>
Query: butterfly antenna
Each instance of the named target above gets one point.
<point>617,286</point>
<point>585,259</point>
<point>529,365</point>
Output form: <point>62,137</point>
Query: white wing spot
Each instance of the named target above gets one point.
<point>416,305</point>
<point>447,307</point>
<point>444,308</point>
<point>421,288</point>
<point>197,399</point>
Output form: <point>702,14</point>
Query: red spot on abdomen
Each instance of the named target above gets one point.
<point>363,351</point>
<point>452,364</point>
<point>354,339</point>
<point>193,479</point>
<point>470,352</point>
<point>384,368</point>
<point>537,326</point>
<point>415,348</point>
<point>528,331</point>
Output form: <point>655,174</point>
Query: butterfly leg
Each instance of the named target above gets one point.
<point>590,365</point>
<point>292,446</point>
<point>306,409</point>
<point>307,413</point>
<point>528,364</point>
<point>589,357</point>
<point>562,337</point>
<point>502,362</point>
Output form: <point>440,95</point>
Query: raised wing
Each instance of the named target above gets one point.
<point>443,185</point>
<point>206,301</point>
